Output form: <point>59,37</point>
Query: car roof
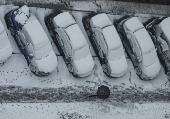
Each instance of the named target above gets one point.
<point>63,20</point>
<point>165,27</point>
<point>144,40</point>
<point>21,17</point>
<point>35,32</point>
<point>1,27</point>
<point>76,36</point>
<point>100,20</point>
<point>133,24</point>
<point>111,37</point>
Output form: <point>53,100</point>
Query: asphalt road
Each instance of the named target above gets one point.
<point>80,94</point>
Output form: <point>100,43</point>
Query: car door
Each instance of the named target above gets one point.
<point>61,40</point>
<point>30,51</point>
<point>97,40</point>
<point>69,54</point>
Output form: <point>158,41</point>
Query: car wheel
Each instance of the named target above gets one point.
<point>138,71</point>
<point>70,68</point>
<point>32,67</point>
<point>12,31</point>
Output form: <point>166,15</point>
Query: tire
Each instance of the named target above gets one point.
<point>138,71</point>
<point>32,67</point>
<point>70,68</point>
<point>12,31</point>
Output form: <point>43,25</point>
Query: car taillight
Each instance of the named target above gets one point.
<point>151,27</point>
<point>10,15</point>
<point>88,19</point>
<point>51,19</point>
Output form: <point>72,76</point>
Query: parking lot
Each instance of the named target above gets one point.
<point>16,77</point>
<point>18,74</point>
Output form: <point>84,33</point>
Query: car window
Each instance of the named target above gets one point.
<point>104,44</point>
<point>81,52</point>
<point>30,48</point>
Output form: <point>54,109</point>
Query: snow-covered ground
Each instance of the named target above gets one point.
<point>84,111</point>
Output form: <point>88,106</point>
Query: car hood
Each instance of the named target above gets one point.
<point>84,66</point>
<point>47,64</point>
<point>152,70</point>
<point>118,67</point>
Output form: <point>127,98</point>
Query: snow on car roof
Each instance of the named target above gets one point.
<point>100,20</point>
<point>23,15</point>
<point>63,20</point>
<point>1,27</point>
<point>35,32</point>
<point>21,18</point>
<point>76,36</point>
<point>133,24</point>
<point>144,40</point>
<point>112,38</point>
<point>165,27</point>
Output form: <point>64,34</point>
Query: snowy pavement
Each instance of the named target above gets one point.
<point>84,111</point>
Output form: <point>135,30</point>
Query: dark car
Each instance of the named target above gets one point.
<point>32,40</point>
<point>159,30</point>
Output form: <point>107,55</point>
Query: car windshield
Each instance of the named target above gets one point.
<point>81,53</point>
<point>43,50</point>
<point>115,54</point>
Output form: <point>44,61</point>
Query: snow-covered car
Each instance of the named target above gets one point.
<point>139,46</point>
<point>71,43</point>
<point>5,46</point>
<point>106,43</point>
<point>159,29</point>
<point>32,40</point>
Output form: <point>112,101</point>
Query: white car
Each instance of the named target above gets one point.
<point>71,43</point>
<point>32,41</point>
<point>107,44</point>
<point>5,46</point>
<point>140,47</point>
